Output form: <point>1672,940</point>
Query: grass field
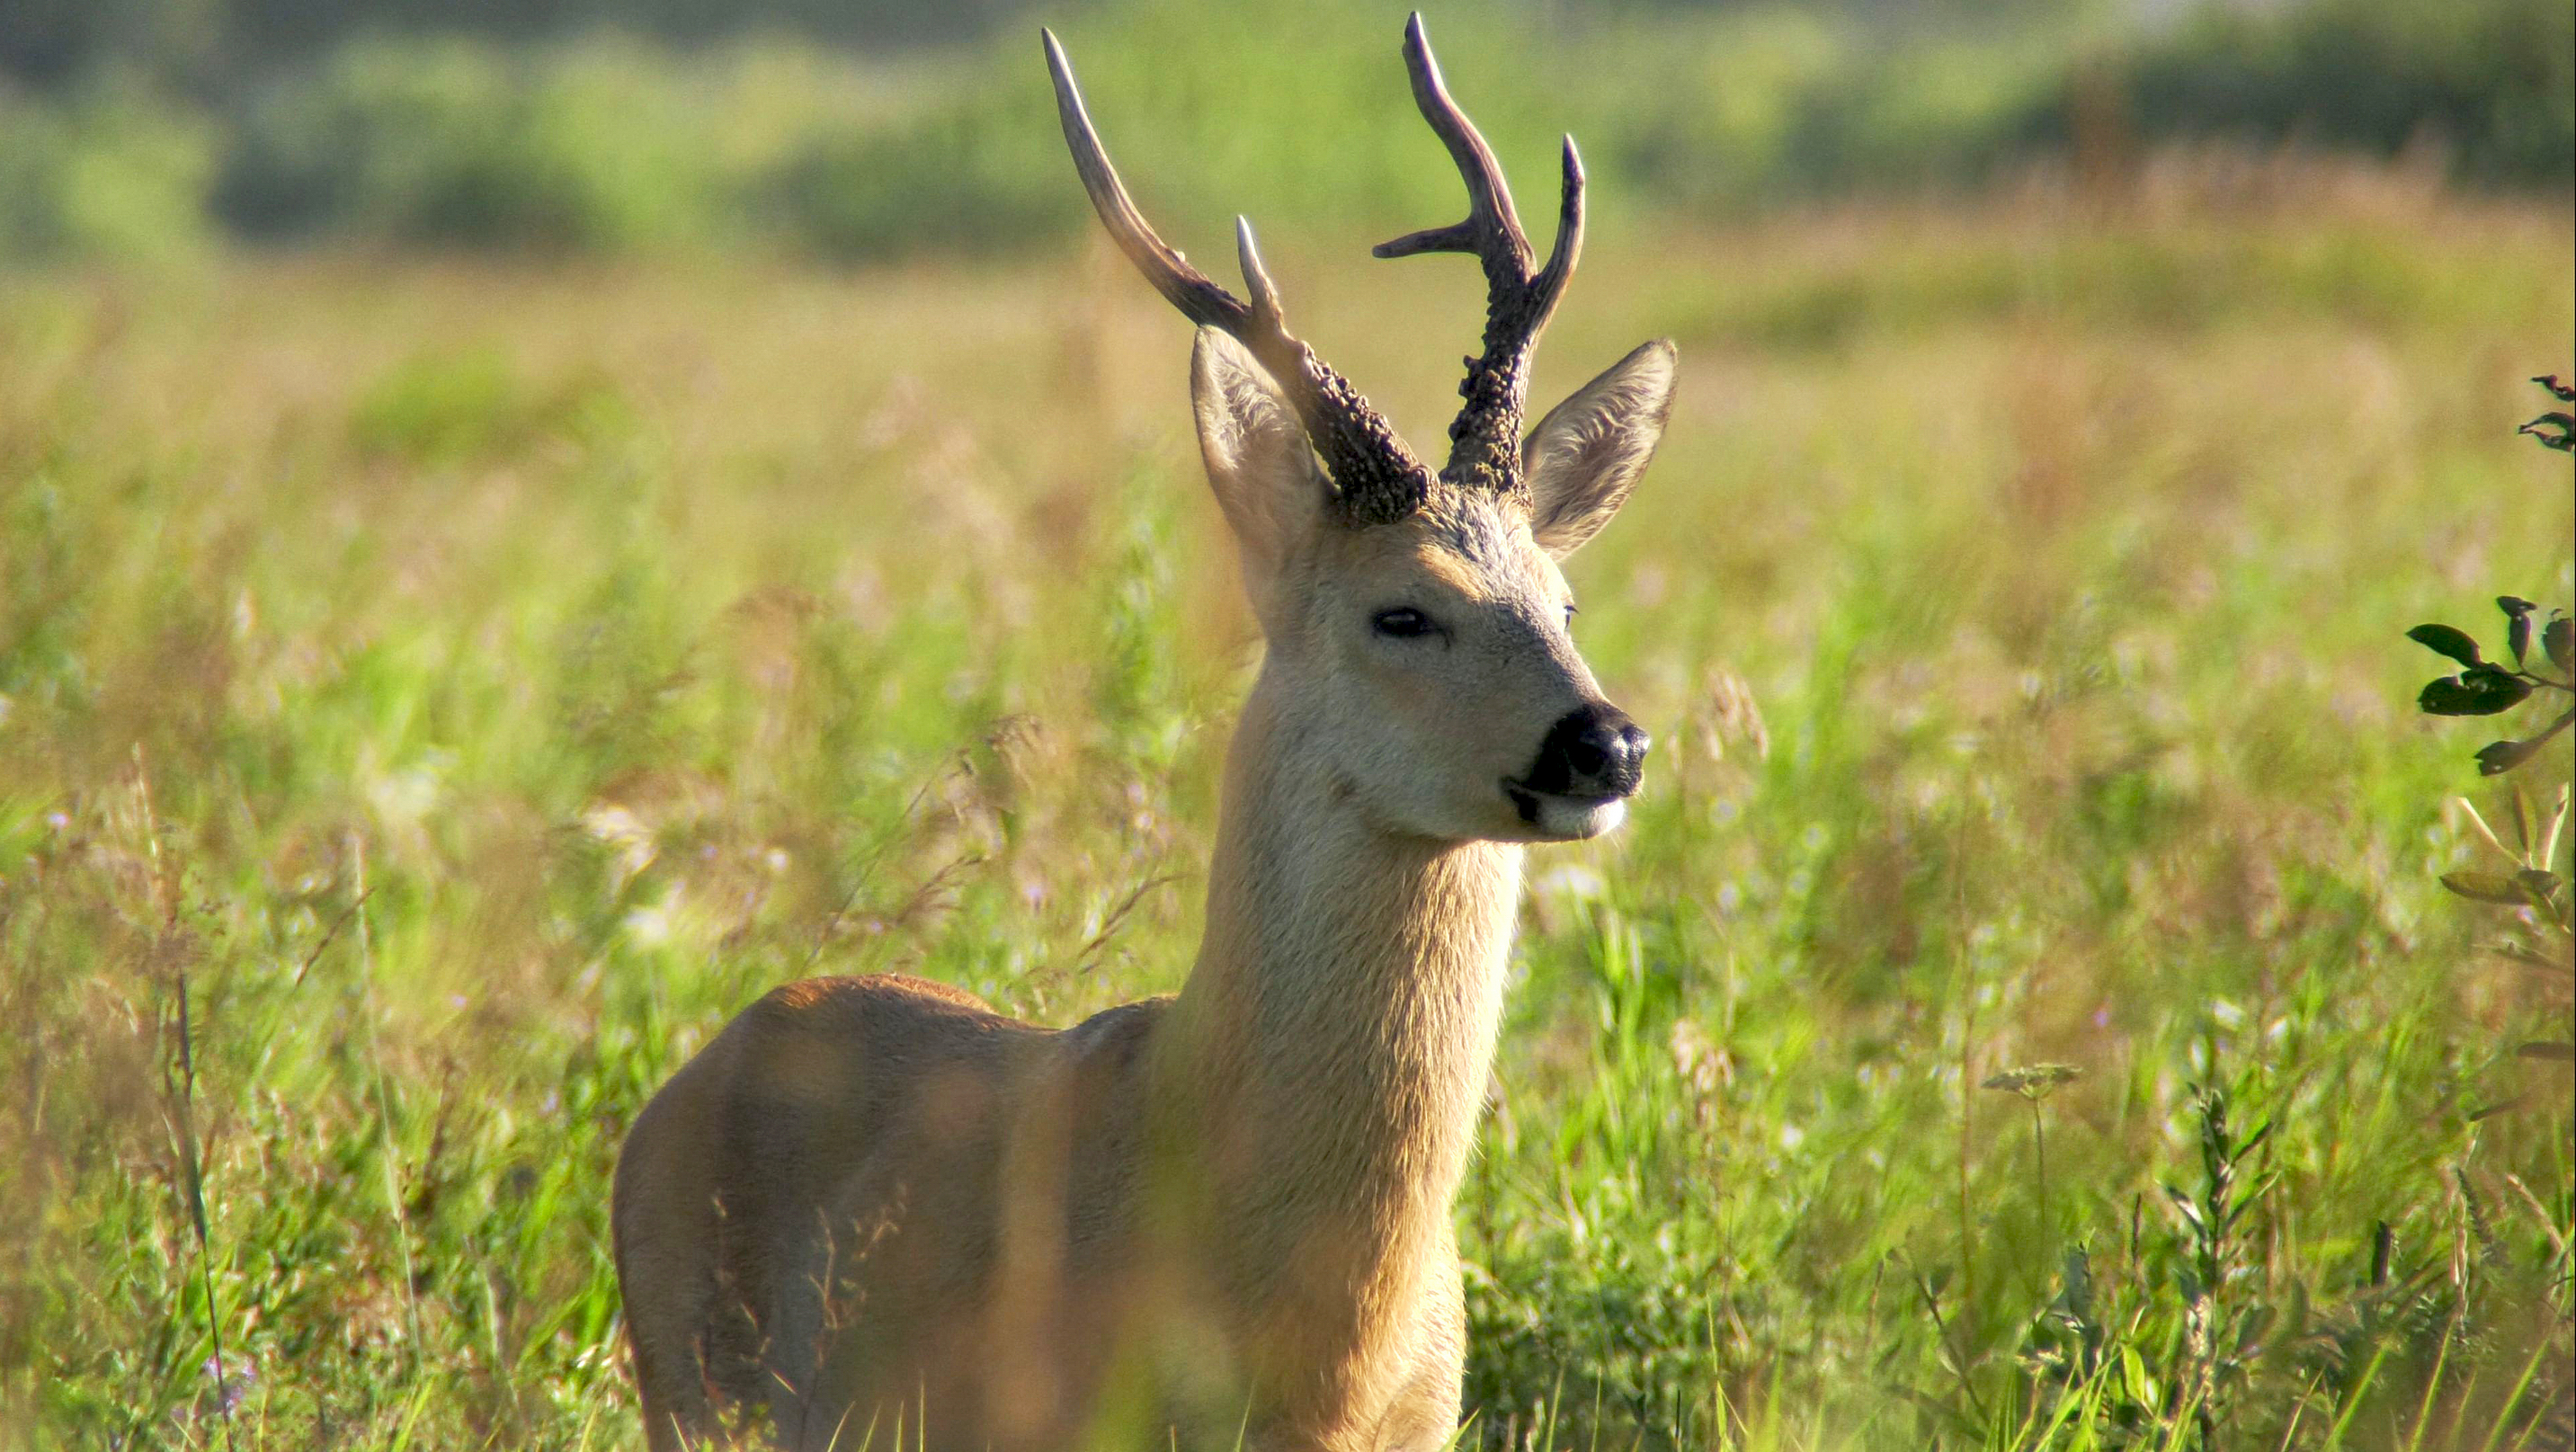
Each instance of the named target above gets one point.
<point>433,697</point>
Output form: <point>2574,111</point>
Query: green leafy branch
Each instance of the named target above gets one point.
<point>2560,419</point>
<point>2486,688</point>
<point>2546,908</point>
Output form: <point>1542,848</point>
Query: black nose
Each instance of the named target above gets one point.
<point>1595,751</point>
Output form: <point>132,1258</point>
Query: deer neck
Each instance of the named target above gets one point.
<point>1333,1042</point>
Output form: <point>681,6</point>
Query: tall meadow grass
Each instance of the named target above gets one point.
<point>435,694</point>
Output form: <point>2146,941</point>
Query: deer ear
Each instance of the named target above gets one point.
<point>1585,456</point>
<point>1258,459</point>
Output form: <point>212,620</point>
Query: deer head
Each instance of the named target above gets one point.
<point>1417,623</point>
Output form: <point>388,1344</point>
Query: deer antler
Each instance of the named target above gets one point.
<point>1376,479</point>
<point>1485,442</point>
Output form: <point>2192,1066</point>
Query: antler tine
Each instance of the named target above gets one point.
<point>1265,295</point>
<point>1375,478</point>
<point>1569,230</point>
<point>1492,229</point>
<point>1192,291</point>
<point>1485,440</point>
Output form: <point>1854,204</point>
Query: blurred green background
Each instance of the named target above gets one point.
<point>892,127</point>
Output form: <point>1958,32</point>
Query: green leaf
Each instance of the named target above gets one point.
<point>2498,757</point>
<point>2517,614</point>
<point>2251,1329</point>
<point>2485,887</point>
<point>2183,1202</point>
<point>2558,638</point>
<point>2141,1387</point>
<point>2481,691</point>
<point>2447,640</point>
<point>2501,1106</point>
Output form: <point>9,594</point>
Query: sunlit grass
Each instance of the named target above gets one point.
<point>463,688</point>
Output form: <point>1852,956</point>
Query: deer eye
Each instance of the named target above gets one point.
<point>1403,624</point>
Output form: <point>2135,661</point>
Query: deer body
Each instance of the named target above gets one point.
<point>872,1205</point>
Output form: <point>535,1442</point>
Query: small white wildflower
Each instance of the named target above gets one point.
<point>619,827</point>
<point>649,926</point>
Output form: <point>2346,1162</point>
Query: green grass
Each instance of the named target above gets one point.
<point>434,697</point>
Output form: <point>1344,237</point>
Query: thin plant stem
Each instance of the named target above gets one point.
<point>195,1174</point>
<point>2039,1142</point>
<point>1967,974</point>
<point>384,1102</point>
<point>191,1168</point>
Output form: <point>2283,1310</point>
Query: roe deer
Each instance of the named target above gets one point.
<point>874,1210</point>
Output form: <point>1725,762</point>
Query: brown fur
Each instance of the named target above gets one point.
<point>873,1203</point>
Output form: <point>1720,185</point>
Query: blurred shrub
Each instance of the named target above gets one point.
<point>2494,81</point>
<point>970,176</point>
<point>112,171</point>
<point>1749,107</point>
<point>454,141</point>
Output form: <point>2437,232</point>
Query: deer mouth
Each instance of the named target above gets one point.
<point>1565,816</point>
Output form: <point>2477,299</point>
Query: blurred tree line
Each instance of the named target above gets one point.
<point>210,42</point>
<point>207,43</point>
<point>865,130</point>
